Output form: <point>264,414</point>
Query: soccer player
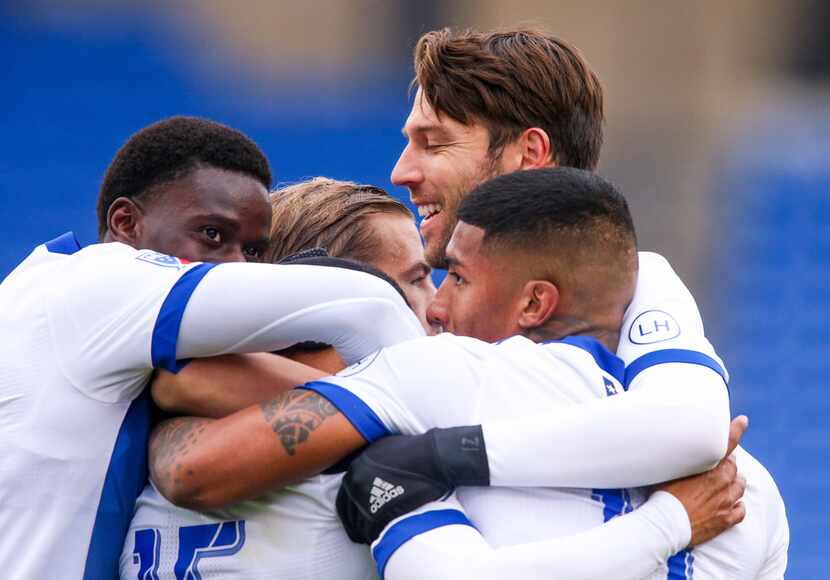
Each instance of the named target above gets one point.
<point>244,466</point>
<point>84,329</point>
<point>491,103</point>
<point>293,533</point>
<point>502,225</point>
<point>355,221</point>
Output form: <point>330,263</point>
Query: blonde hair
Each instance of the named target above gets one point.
<point>328,213</point>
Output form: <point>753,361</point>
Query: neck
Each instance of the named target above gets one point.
<point>560,326</point>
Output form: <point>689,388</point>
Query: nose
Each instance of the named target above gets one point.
<point>438,310</point>
<point>406,172</point>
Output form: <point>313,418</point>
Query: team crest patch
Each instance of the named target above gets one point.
<point>159,259</point>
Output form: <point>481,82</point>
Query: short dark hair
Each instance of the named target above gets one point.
<point>527,208</point>
<point>512,80</point>
<point>169,150</point>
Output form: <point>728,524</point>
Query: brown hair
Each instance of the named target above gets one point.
<point>327,213</point>
<point>511,81</point>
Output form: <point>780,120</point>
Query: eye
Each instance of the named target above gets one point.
<point>456,279</point>
<point>212,234</point>
<point>252,253</point>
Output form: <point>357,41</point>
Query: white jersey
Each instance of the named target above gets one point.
<point>447,380</point>
<point>293,534</point>
<point>83,330</point>
<point>467,382</point>
<point>73,421</point>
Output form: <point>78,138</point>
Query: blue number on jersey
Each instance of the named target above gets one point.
<point>146,553</point>
<point>195,543</point>
<point>207,541</point>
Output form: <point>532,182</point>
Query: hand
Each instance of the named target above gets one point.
<point>712,498</point>
<point>400,473</point>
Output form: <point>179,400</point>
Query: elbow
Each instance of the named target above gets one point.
<point>705,439</point>
<point>177,490</point>
<point>165,392</point>
<point>184,492</point>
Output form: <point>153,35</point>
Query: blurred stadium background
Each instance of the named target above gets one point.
<point>718,116</point>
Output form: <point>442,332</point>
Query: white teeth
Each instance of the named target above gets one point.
<point>429,209</point>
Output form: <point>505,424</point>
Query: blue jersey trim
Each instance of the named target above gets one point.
<point>681,565</point>
<point>353,408</point>
<point>605,359</point>
<point>166,330</point>
<point>671,355</point>
<point>125,478</point>
<point>406,529</point>
<point>64,244</point>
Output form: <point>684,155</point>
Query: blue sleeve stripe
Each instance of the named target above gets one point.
<point>353,408</point>
<point>166,330</point>
<point>605,359</point>
<point>64,244</point>
<point>406,529</point>
<point>671,355</point>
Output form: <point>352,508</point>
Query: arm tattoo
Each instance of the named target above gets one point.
<point>294,415</point>
<point>171,440</point>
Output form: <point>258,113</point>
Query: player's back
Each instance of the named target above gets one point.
<point>518,376</point>
<point>556,374</point>
<point>757,547</point>
<point>72,432</point>
<point>293,534</point>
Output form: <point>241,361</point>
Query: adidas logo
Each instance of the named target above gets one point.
<point>382,492</point>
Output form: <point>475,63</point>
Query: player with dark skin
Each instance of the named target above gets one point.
<point>206,463</point>
<point>208,215</point>
<point>189,188</point>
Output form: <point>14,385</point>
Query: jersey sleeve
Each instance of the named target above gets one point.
<point>114,317</point>
<point>127,312</point>
<point>439,541</point>
<point>672,422</point>
<point>406,389</point>
<point>662,324</point>
<point>266,307</point>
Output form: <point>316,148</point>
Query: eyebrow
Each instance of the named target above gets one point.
<point>424,128</point>
<point>420,267</point>
<point>224,220</point>
<point>453,262</point>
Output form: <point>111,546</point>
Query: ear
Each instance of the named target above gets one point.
<point>540,299</point>
<point>125,222</point>
<point>535,149</point>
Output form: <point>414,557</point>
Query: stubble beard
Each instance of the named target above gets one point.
<point>436,255</point>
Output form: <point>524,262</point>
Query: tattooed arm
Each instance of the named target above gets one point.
<point>208,463</point>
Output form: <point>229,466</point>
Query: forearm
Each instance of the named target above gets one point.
<point>651,434</point>
<point>218,386</point>
<point>209,463</point>
<point>240,308</point>
<point>627,547</point>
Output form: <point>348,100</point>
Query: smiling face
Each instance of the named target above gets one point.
<point>209,215</point>
<point>442,161</point>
